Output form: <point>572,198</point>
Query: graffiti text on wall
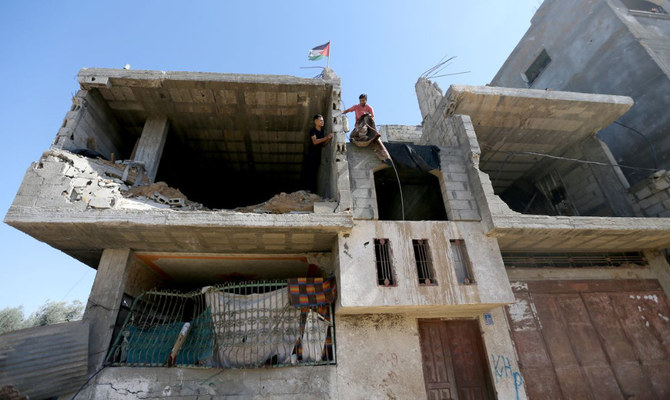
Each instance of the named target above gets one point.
<point>503,369</point>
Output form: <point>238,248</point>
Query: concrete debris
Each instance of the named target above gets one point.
<point>162,193</point>
<point>128,171</point>
<point>100,184</point>
<point>283,203</point>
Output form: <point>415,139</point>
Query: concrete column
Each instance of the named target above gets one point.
<point>103,303</point>
<point>150,147</point>
<point>611,180</point>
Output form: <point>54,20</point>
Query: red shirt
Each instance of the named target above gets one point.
<point>360,110</point>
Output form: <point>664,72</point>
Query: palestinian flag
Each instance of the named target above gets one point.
<point>319,52</point>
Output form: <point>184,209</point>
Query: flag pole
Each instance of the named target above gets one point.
<point>328,62</point>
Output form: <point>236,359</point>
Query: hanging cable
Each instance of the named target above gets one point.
<point>532,153</point>
<point>651,146</point>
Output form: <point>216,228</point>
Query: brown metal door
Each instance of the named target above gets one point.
<point>592,339</point>
<point>454,367</point>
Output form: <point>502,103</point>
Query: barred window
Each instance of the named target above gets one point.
<point>424,265</point>
<point>461,262</point>
<point>385,275</point>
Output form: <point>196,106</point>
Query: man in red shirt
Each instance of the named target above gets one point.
<point>361,108</point>
<point>365,129</point>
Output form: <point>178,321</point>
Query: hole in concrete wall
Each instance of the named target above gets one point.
<point>525,198</point>
<point>421,195</point>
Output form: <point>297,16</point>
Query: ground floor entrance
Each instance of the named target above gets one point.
<point>454,365</point>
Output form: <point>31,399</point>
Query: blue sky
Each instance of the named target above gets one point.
<point>379,48</point>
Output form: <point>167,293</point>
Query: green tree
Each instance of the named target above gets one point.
<point>54,312</point>
<point>51,312</point>
<point>11,319</point>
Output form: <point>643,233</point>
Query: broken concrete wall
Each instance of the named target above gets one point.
<point>429,95</point>
<point>90,125</point>
<point>64,180</point>
<point>400,133</point>
<point>653,194</point>
<point>190,383</point>
<point>360,292</point>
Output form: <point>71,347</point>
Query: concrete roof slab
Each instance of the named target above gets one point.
<point>548,233</point>
<point>84,235</point>
<point>510,121</point>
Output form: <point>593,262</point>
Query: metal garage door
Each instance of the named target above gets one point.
<point>592,339</point>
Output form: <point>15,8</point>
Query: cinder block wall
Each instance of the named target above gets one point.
<point>653,194</point>
<point>459,200</point>
<point>400,133</point>
<point>593,189</point>
<point>90,125</point>
<point>362,163</point>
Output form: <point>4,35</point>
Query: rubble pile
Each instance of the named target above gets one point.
<point>282,203</point>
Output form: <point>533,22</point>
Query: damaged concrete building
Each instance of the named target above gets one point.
<point>438,275</point>
<point>612,47</point>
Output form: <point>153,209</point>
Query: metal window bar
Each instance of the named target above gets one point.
<point>385,276</point>
<point>461,266</point>
<point>423,262</point>
<point>245,325</point>
<point>573,260</point>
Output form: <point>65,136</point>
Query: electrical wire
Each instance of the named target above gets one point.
<point>87,381</point>
<point>532,153</point>
<point>651,146</point>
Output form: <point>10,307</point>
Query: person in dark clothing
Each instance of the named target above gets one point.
<point>318,140</point>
